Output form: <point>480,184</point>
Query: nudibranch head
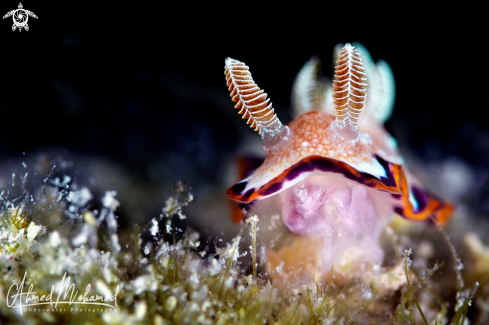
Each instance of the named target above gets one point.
<point>311,148</point>
<point>338,175</point>
<point>315,141</point>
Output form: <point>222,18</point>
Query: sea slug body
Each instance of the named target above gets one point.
<point>334,168</point>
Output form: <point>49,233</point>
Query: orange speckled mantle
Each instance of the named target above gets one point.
<point>309,149</point>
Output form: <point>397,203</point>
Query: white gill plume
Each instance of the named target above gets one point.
<point>251,101</point>
<point>310,88</point>
<point>381,87</point>
<point>349,89</point>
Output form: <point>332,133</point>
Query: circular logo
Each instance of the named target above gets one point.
<point>20,17</point>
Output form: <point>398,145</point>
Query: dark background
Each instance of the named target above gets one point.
<point>143,83</point>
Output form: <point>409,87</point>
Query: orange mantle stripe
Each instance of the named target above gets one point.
<point>435,209</point>
<point>316,162</point>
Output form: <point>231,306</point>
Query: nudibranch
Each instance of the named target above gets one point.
<point>338,175</point>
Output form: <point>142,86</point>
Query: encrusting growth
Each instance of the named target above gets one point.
<point>250,99</point>
<point>349,91</point>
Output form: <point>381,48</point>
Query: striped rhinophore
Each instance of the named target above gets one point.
<point>349,89</point>
<point>252,102</point>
